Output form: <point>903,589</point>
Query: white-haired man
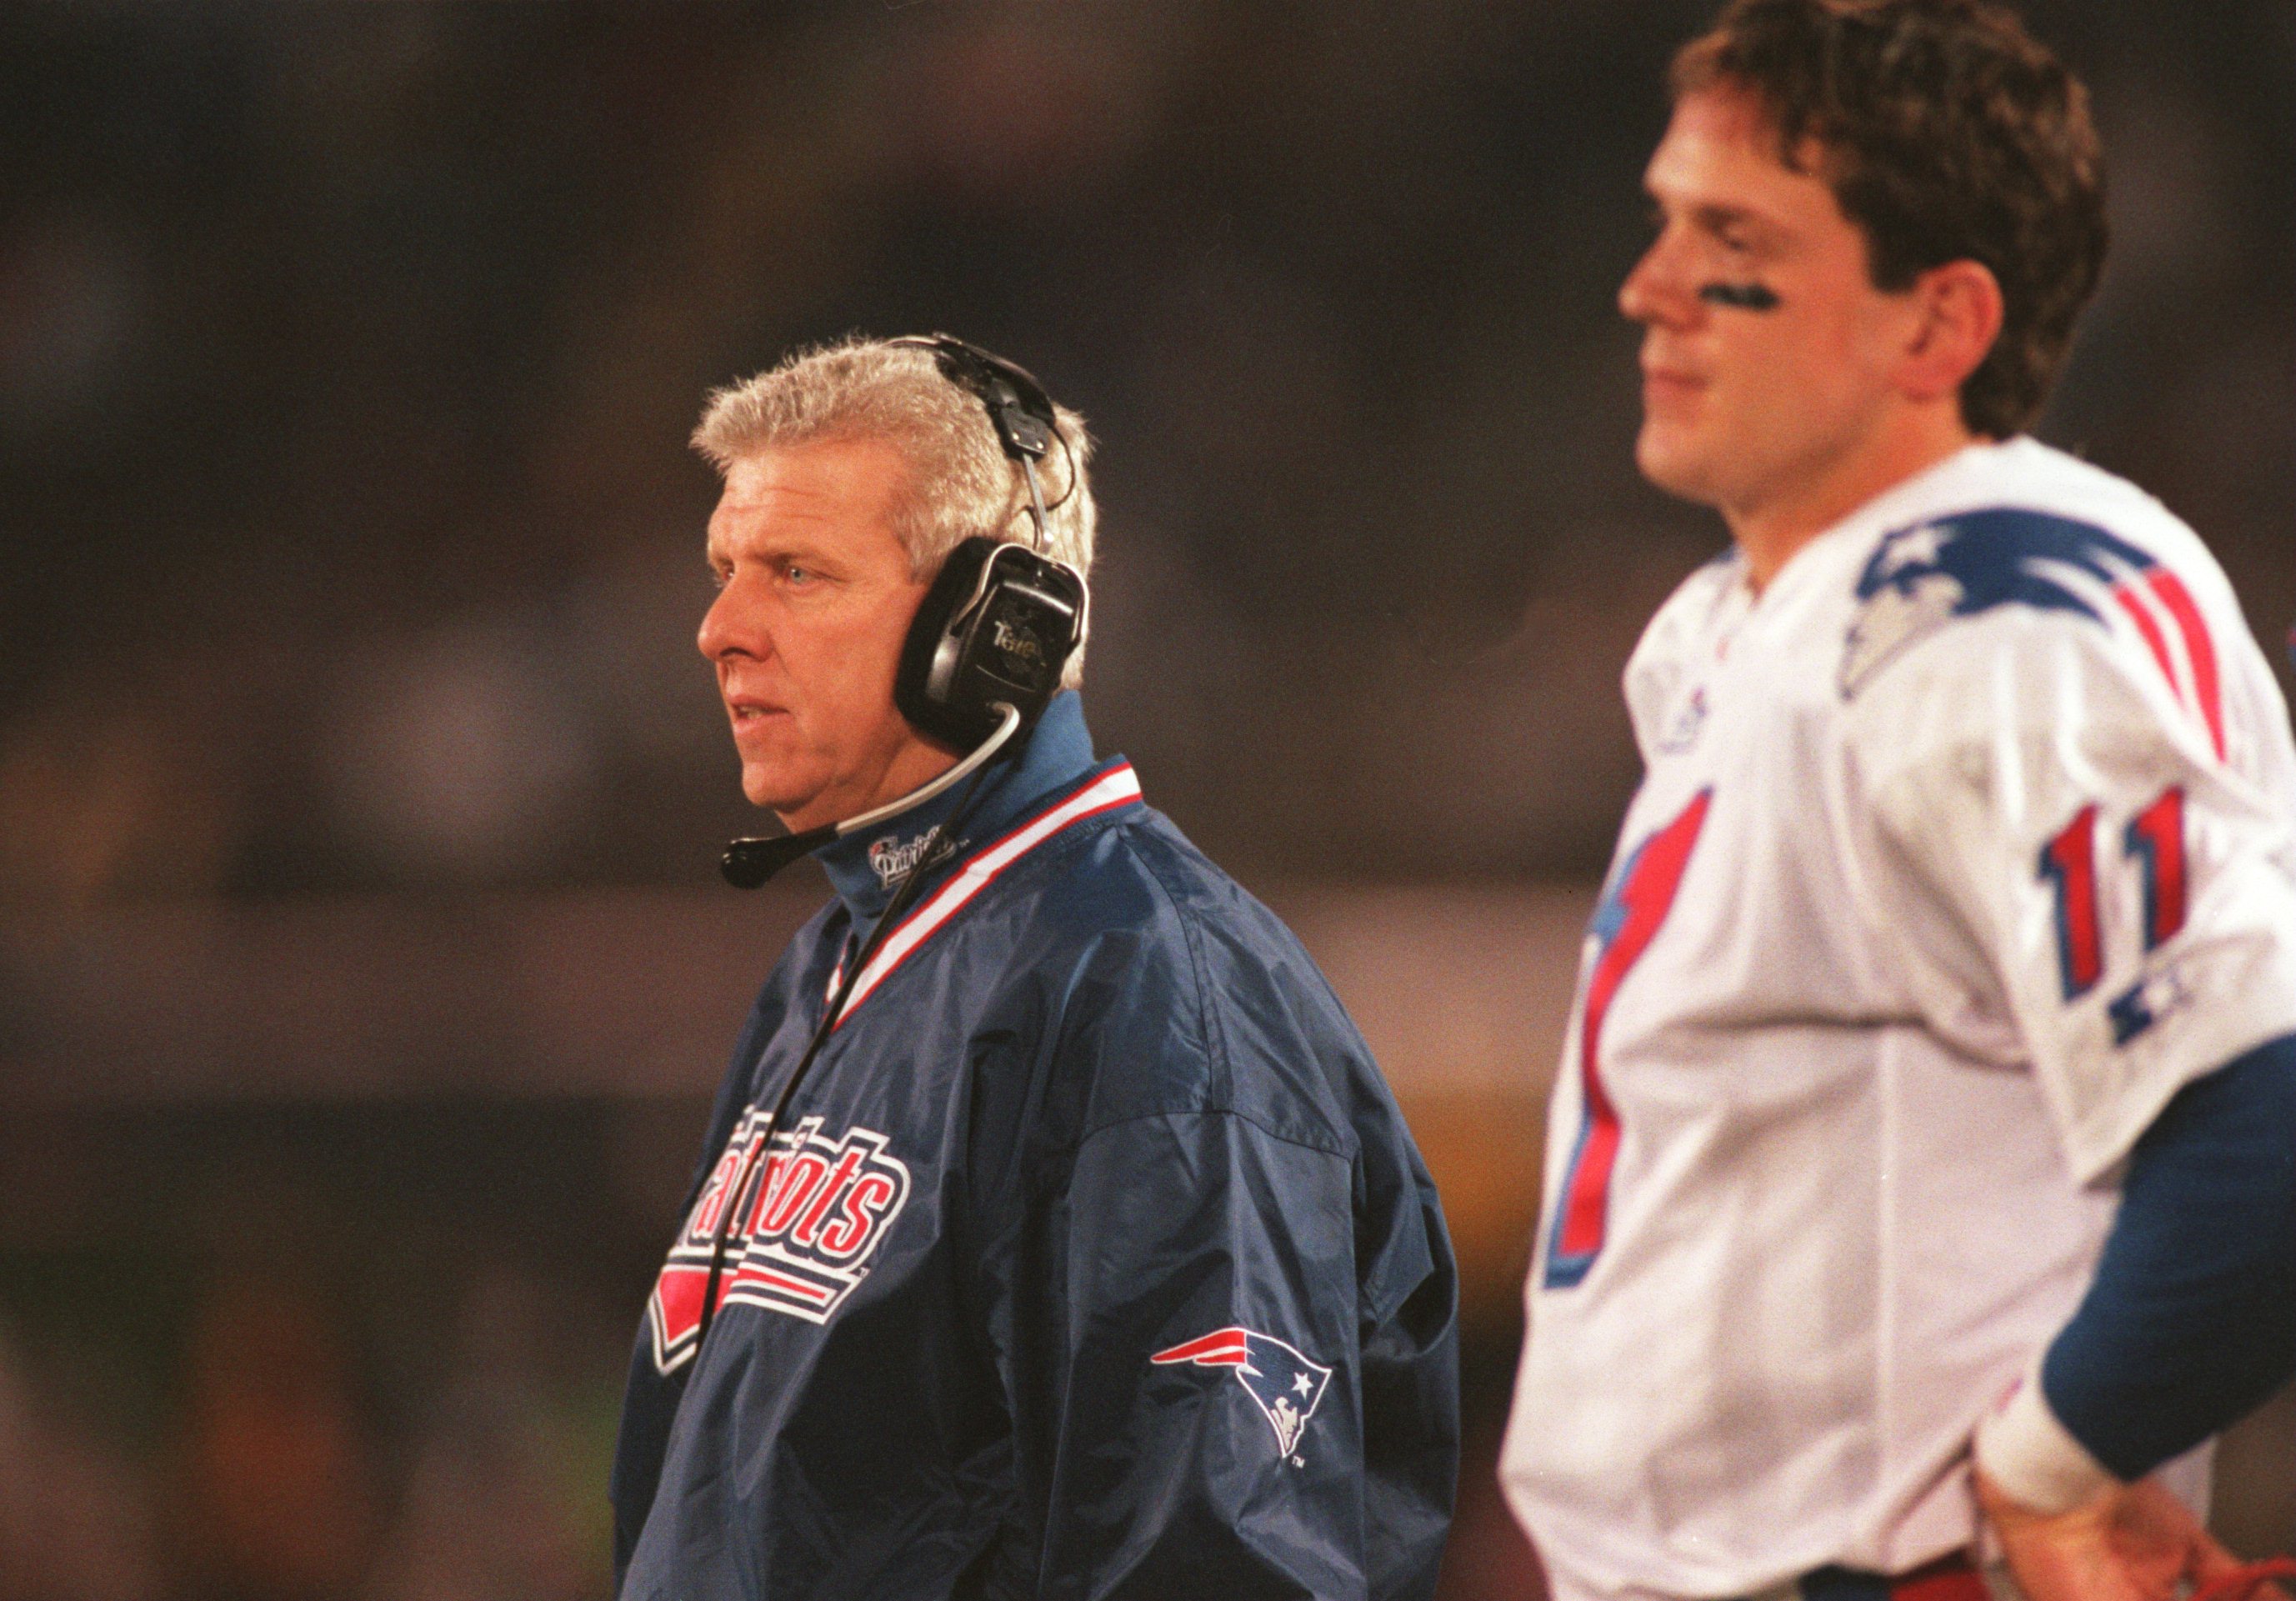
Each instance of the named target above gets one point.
<point>1055,1232</point>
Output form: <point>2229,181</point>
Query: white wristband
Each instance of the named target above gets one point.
<point>2024,1450</point>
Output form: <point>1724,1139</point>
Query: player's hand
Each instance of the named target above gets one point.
<point>2133,1542</point>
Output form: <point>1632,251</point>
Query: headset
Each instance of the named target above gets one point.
<point>984,655</point>
<point>1002,620</point>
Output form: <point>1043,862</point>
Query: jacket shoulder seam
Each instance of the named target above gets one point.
<point>1214,1044</point>
<point>1239,1114</point>
<point>1207,1012</point>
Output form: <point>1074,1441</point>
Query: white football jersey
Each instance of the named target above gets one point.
<point>1961,848</point>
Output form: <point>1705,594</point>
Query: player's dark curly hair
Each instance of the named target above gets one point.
<point>1947,133</point>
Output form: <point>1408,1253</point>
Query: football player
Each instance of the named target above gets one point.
<point>1921,1173</point>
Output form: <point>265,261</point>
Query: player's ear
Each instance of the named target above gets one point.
<point>1960,309</point>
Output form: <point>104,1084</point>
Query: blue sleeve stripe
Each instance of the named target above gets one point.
<point>2191,1320</point>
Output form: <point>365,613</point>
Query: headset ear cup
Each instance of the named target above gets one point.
<point>959,577</point>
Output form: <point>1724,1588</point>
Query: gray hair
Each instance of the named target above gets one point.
<point>960,480</point>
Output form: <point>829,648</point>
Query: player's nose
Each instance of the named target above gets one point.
<point>1656,290</point>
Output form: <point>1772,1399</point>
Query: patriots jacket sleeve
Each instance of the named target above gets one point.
<point>1228,1326</point>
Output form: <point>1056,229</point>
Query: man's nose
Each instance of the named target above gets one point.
<point>1657,289</point>
<point>730,626</point>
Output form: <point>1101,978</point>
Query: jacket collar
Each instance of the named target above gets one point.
<point>865,869</point>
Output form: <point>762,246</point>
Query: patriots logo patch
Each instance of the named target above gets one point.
<point>892,857</point>
<point>1282,1382</point>
<point>1683,732</point>
<point>1921,578</point>
<point>2146,1002</point>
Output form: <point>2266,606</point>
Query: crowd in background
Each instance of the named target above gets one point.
<point>347,356</point>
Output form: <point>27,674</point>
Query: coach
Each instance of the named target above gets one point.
<point>1089,1255</point>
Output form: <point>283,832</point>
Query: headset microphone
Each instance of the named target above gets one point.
<point>984,655</point>
<point>748,864</point>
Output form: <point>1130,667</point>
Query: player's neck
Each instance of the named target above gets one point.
<point>1771,525</point>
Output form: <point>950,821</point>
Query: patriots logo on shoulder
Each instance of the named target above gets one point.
<point>1282,1383</point>
<point>1921,578</point>
<point>1906,593</point>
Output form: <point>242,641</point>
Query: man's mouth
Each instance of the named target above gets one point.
<point>1657,370</point>
<point>1662,384</point>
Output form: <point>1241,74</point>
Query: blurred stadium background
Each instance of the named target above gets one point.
<point>363,971</point>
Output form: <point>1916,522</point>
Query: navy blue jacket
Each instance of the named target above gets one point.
<point>1093,1258</point>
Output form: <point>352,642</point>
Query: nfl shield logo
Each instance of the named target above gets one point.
<point>1283,1384</point>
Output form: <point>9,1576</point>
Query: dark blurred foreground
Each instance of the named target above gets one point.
<point>285,1315</point>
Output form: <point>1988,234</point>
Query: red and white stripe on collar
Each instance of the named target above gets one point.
<point>1116,787</point>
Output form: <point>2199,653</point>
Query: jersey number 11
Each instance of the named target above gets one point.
<point>2154,842</point>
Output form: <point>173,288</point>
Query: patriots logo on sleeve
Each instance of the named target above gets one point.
<point>1283,1384</point>
<point>1921,578</point>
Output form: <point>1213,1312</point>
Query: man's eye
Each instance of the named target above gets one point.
<point>719,576</point>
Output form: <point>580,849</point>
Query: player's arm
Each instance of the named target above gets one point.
<point>2191,1320</point>
<point>2189,1323</point>
<point>2130,894</point>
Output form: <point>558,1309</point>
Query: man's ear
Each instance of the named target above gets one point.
<point>1960,317</point>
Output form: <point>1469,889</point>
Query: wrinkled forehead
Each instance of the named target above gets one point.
<point>842,482</point>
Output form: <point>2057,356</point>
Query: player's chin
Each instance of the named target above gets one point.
<point>1674,458</point>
